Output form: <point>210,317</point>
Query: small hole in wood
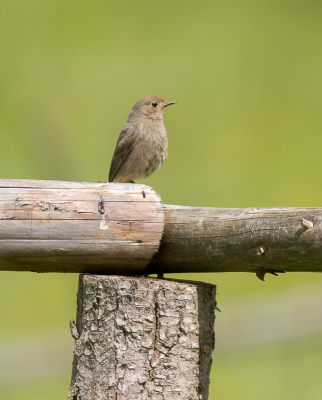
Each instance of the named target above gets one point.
<point>101,207</point>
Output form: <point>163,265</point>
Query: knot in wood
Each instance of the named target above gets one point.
<point>306,224</point>
<point>262,250</point>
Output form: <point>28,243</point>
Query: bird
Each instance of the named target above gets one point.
<point>142,145</point>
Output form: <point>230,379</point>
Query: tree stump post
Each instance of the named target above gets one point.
<point>142,338</point>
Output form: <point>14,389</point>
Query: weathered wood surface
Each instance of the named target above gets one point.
<point>200,239</point>
<point>114,228</point>
<point>141,338</point>
<point>73,226</point>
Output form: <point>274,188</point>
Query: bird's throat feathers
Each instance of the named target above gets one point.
<point>144,113</point>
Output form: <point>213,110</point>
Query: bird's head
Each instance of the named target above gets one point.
<point>150,106</point>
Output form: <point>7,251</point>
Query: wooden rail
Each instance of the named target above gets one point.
<point>108,228</point>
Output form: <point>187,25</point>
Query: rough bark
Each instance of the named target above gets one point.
<point>50,226</point>
<point>204,239</point>
<point>141,338</point>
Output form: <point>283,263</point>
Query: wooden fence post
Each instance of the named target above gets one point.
<point>142,338</point>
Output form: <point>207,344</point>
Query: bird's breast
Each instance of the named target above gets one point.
<point>153,148</point>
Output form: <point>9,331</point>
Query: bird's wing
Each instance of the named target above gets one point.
<point>124,146</point>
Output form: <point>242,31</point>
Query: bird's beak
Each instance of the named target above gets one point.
<point>168,103</point>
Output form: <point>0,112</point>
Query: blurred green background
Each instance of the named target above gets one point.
<point>246,132</point>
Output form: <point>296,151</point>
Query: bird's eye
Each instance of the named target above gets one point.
<point>154,104</point>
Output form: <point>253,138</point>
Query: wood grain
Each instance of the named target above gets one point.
<point>205,239</point>
<point>53,226</point>
<point>113,228</point>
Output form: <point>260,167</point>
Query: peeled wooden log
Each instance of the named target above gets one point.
<point>206,239</point>
<point>110,228</point>
<point>53,226</point>
<point>142,338</point>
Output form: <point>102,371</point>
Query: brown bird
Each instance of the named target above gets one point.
<point>142,145</point>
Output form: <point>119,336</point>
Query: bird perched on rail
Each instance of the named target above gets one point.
<point>142,145</point>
